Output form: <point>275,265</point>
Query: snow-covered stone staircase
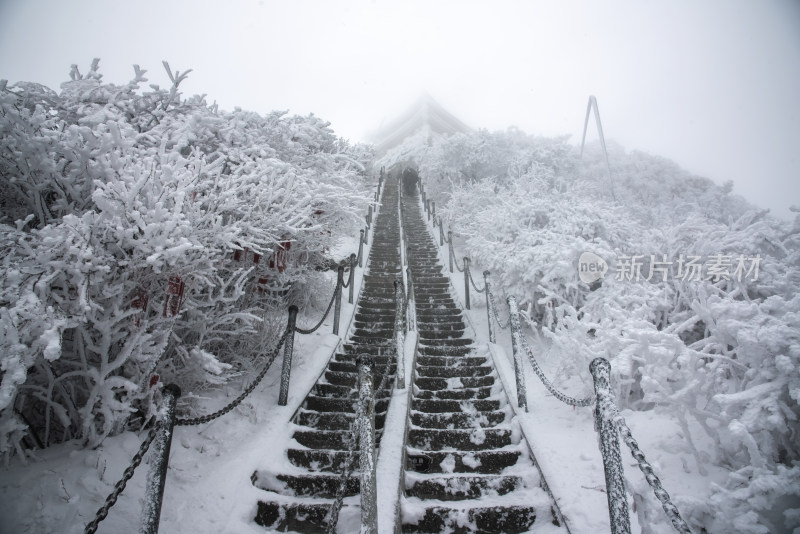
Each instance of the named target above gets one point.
<point>299,497</point>
<point>468,469</point>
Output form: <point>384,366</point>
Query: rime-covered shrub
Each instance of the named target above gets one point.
<point>142,237</point>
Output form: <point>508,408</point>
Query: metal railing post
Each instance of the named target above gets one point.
<point>399,333</point>
<point>286,370</point>
<point>157,476</point>
<point>487,290</point>
<point>361,250</point>
<point>350,284</point>
<point>411,300</point>
<point>466,283</point>
<point>428,208</point>
<point>337,307</point>
<point>441,233</point>
<point>517,348</point>
<point>366,236</point>
<point>366,443</point>
<point>369,216</point>
<point>433,211</point>
<point>450,252</point>
<point>609,448</point>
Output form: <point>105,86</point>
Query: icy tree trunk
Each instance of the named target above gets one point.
<point>517,348</point>
<point>157,476</point>
<point>609,447</point>
<point>286,370</point>
<point>366,443</point>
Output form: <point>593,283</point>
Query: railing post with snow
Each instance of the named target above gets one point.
<point>609,447</point>
<point>366,442</point>
<point>366,236</point>
<point>517,348</point>
<point>466,283</point>
<point>433,211</point>
<point>157,476</point>
<point>441,233</point>
<point>286,370</point>
<point>450,252</point>
<point>337,307</point>
<point>399,332</point>
<point>411,301</point>
<point>361,250</point>
<point>369,216</point>
<point>350,284</point>
<point>487,290</point>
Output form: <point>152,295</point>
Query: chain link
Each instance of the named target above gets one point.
<point>557,394</point>
<point>469,271</point>
<point>497,317</point>
<point>453,254</point>
<point>111,500</point>
<point>238,400</point>
<point>327,311</point>
<point>649,474</point>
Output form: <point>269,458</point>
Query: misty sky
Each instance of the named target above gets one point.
<point>713,85</point>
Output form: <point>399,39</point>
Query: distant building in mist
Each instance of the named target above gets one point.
<point>426,118</point>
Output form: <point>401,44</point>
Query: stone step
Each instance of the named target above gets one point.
<point>443,342</point>
<point>311,485</point>
<point>434,383</point>
<point>457,488</point>
<point>307,518</point>
<point>331,420</point>
<point>485,462</point>
<point>451,361</point>
<point>451,372</point>
<point>476,439</point>
<point>351,367</point>
<point>484,520</point>
<point>444,351</point>
<point>456,394</point>
<point>440,406</point>
<point>321,459</point>
<point>457,420</point>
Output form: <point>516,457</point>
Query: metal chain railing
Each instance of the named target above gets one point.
<point>307,331</point>
<point>472,280</point>
<point>649,474</point>
<point>496,316</point>
<point>111,500</point>
<point>238,400</point>
<point>566,399</point>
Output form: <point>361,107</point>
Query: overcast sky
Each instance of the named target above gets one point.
<point>713,85</point>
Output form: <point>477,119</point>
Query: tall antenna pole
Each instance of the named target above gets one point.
<point>593,106</point>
